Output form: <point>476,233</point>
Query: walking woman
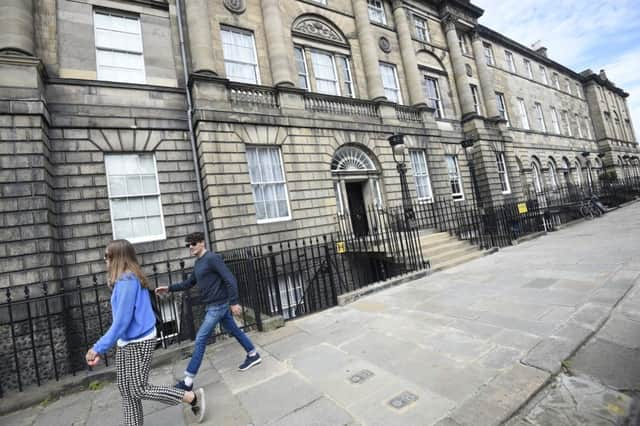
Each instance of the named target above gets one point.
<point>133,330</point>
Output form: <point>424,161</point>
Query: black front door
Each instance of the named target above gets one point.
<point>357,208</point>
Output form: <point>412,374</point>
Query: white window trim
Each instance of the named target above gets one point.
<point>438,99</point>
<point>555,78</point>
<point>286,189</point>
<point>337,186</point>
<point>350,81</point>
<point>579,126</point>
<point>553,176</point>
<point>371,6</point>
<point>395,76</point>
<point>565,116</point>
<point>502,102</point>
<point>510,60</point>
<point>457,196</point>
<point>306,68</point>
<point>420,25</point>
<point>528,67</point>
<point>540,113</point>
<point>158,237</point>
<point>488,54</point>
<point>543,73</point>
<point>555,121</point>
<point>500,160</point>
<point>131,52</point>
<point>331,55</point>
<point>524,117</point>
<point>377,194</point>
<point>255,53</point>
<point>475,95</point>
<point>423,157</point>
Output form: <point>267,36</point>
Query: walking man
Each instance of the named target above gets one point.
<point>219,292</point>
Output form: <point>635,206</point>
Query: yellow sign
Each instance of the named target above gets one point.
<point>341,247</point>
<point>522,208</point>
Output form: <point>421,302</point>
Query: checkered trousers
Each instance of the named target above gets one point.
<point>133,362</point>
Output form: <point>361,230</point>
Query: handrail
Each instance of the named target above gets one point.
<point>339,105</point>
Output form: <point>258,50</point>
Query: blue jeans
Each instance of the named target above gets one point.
<point>215,314</point>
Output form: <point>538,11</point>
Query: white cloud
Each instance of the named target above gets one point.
<point>579,34</point>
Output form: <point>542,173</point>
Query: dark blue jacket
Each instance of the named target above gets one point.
<point>215,281</point>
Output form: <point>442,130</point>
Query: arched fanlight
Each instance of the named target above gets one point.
<point>350,158</point>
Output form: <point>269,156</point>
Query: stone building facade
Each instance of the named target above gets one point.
<point>292,103</point>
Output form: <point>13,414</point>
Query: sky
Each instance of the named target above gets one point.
<point>578,34</point>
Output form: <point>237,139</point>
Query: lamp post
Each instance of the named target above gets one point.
<point>468,143</point>
<point>398,149</point>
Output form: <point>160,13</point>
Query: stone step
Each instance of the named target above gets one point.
<point>445,256</point>
<point>440,245</point>
<point>434,237</point>
<point>459,260</point>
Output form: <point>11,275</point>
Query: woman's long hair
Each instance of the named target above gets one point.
<point>122,259</point>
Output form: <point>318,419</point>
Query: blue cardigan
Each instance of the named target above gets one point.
<point>132,313</point>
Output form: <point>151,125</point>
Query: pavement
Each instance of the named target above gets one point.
<point>549,324</point>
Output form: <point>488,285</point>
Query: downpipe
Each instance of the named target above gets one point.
<point>192,137</point>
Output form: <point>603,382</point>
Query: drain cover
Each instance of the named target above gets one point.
<point>402,400</point>
<point>361,376</point>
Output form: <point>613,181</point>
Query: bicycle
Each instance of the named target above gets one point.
<point>589,209</point>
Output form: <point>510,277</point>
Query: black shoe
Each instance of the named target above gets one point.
<point>182,385</point>
<point>250,361</point>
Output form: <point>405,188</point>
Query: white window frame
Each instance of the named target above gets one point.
<point>464,43</point>
<point>578,90</point>
<point>565,118</point>
<point>553,176</point>
<point>569,89</point>
<point>579,126</point>
<point>419,156</point>
<point>230,60</point>
<point>336,80</point>
<point>543,73</point>
<point>337,187</point>
<point>377,194</point>
<point>376,12</point>
<point>524,117</point>
<point>510,60</point>
<point>503,173</point>
<point>555,78</point>
<point>288,287</point>
<point>434,102</point>
<point>126,196</point>
<point>302,73</point>
<point>538,184</point>
<point>283,182</point>
<point>421,28</point>
<point>488,54</point>
<point>387,89</point>
<point>528,67</point>
<point>555,121</point>
<point>347,76</point>
<point>587,126</point>
<point>476,98</point>
<point>455,180</point>
<point>540,114</point>
<point>502,107</point>
<point>128,50</point>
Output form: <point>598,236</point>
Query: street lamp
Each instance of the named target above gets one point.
<point>399,149</point>
<point>468,143</point>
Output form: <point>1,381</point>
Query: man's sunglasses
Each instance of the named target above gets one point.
<point>191,244</point>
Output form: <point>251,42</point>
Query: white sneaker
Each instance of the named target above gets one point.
<point>199,408</point>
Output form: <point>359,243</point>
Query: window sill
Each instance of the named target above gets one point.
<point>273,220</point>
<point>148,239</point>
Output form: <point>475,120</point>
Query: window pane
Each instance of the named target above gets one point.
<point>152,206</point>
<point>139,227</point>
<point>149,184</point>
<point>122,228</point>
<point>117,186</point>
<point>120,208</point>
<point>154,224</point>
<point>146,164</point>
<point>136,207</point>
<point>134,185</point>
